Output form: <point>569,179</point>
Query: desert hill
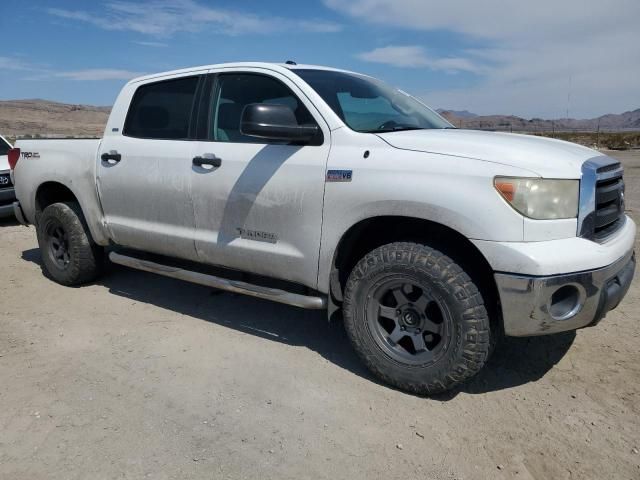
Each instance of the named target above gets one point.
<point>46,118</point>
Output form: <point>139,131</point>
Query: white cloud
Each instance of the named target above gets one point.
<point>164,18</point>
<point>152,44</point>
<point>414,56</point>
<point>529,53</point>
<point>93,74</point>
<point>12,63</point>
<point>496,18</point>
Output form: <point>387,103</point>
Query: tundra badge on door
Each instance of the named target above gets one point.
<point>257,235</point>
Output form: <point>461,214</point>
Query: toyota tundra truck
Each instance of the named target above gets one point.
<point>327,189</point>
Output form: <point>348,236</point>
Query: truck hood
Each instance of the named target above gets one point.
<point>4,163</point>
<point>541,156</point>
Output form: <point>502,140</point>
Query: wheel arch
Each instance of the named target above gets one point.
<point>53,191</point>
<point>373,232</point>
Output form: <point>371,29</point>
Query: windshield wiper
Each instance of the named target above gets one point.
<point>394,129</point>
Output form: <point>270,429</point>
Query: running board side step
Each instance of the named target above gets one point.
<point>274,294</point>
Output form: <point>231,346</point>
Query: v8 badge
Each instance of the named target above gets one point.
<point>339,175</point>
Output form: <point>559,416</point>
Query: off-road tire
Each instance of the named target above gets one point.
<point>85,259</point>
<point>469,339</point>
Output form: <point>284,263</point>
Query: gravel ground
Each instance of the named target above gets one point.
<point>142,376</point>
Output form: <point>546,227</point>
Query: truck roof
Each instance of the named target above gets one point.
<point>267,65</point>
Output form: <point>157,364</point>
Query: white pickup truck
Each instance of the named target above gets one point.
<point>323,188</point>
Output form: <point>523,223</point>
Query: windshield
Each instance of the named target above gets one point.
<point>369,105</point>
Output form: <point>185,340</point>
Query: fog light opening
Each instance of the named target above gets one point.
<point>565,302</point>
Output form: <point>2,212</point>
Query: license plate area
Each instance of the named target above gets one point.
<point>5,181</point>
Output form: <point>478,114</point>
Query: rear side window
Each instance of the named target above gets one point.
<point>162,110</point>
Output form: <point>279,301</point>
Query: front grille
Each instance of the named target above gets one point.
<point>5,181</point>
<point>609,201</point>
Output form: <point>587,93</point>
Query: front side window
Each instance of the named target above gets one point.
<point>162,110</point>
<point>4,147</point>
<point>369,105</point>
<point>235,91</point>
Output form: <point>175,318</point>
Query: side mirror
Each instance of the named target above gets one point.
<point>275,122</point>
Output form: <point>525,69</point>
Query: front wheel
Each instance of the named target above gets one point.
<point>416,318</point>
<point>69,254</point>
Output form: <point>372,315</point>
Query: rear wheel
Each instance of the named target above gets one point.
<point>416,318</point>
<point>69,254</point>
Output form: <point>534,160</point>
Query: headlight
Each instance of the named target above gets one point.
<point>540,198</point>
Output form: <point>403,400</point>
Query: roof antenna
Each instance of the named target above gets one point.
<point>290,62</point>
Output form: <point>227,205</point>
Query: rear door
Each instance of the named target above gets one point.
<point>144,173</point>
<point>258,205</point>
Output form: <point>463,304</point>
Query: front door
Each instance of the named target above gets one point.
<point>144,174</point>
<point>258,204</point>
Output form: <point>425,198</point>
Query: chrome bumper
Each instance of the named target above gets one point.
<point>544,305</point>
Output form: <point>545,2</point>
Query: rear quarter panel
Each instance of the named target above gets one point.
<point>71,163</point>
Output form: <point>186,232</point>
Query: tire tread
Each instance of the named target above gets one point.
<point>87,257</point>
<point>475,325</point>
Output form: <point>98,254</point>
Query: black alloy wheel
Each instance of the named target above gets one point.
<point>58,244</point>
<point>408,321</point>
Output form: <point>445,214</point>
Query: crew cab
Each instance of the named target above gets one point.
<point>328,189</point>
<point>7,195</point>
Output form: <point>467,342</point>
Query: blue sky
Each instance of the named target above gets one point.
<point>530,59</point>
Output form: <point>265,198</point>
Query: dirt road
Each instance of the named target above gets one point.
<point>140,376</point>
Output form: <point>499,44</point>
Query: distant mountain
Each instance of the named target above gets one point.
<point>457,113</point>
<point>610,122</point>
<point>43,117</point>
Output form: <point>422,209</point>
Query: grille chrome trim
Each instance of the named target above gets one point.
<point>608,168</point>
<point>594,171</point>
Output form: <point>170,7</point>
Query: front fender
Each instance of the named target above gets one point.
<point>452,191</point>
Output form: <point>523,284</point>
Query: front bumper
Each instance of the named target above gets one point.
<point>533,305</point>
